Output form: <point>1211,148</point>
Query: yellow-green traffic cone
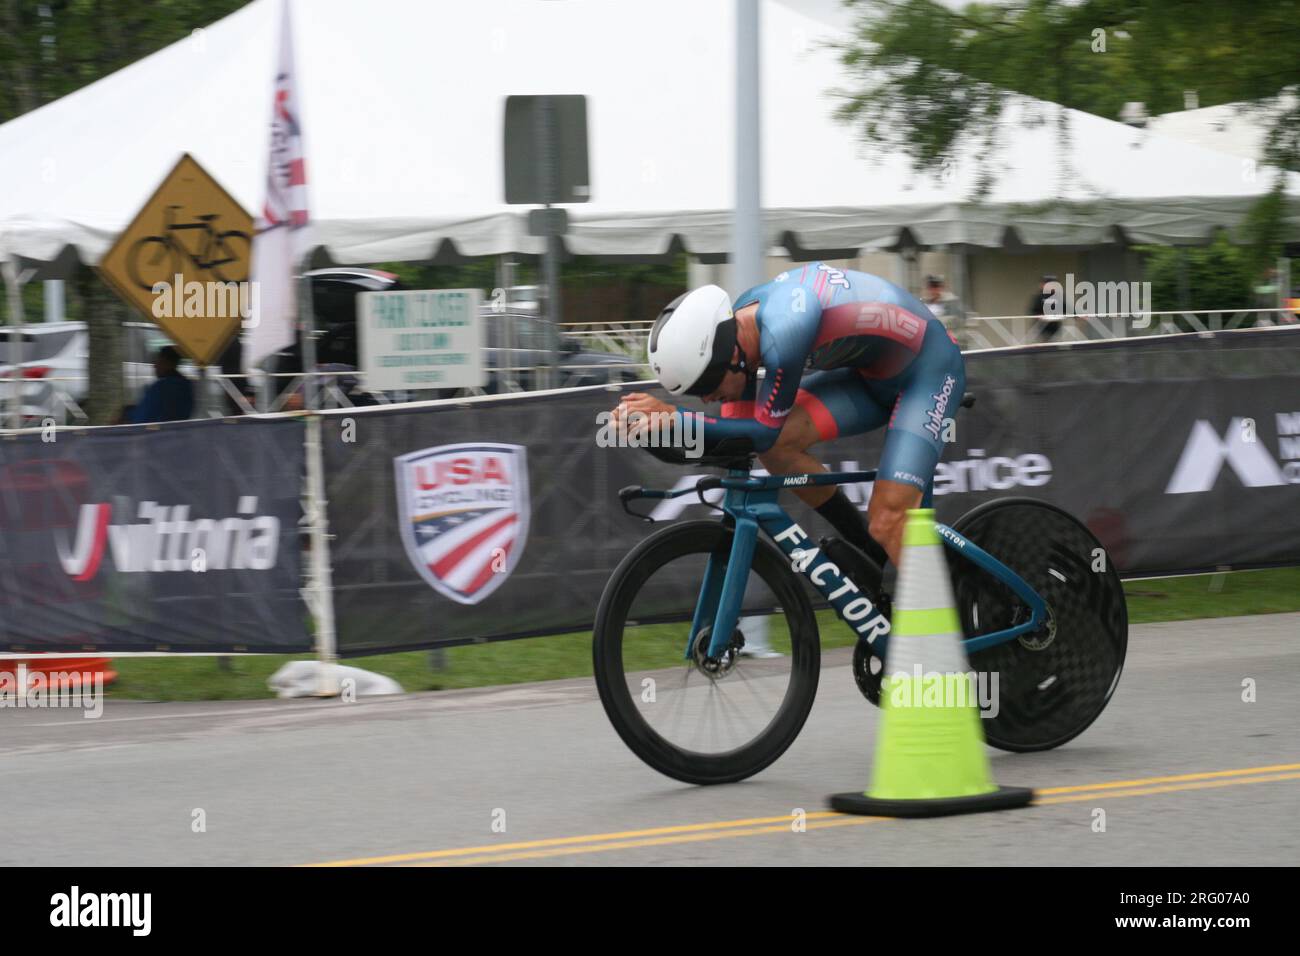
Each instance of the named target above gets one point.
<point>930,758</point>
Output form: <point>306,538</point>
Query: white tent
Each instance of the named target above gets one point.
<point>403,102</point>
<point>1237,128</point>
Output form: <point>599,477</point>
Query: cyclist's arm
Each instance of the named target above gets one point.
<point>709,430</point>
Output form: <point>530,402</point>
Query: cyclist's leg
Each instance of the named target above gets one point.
<point>930,392</point>
<point>887,514</point>
<point>829,404</point>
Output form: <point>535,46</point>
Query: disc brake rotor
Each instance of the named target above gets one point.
<point>716,667</point>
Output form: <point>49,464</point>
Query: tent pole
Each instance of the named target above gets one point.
<point>54,302</point>
<point>307,329</point>
<point>508,377</point>
<point>551,376</point>
<point>958,266</point>
<point>900,268</point>
<point>14,295</point>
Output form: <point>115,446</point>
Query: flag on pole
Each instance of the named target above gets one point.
<point>282,240</point>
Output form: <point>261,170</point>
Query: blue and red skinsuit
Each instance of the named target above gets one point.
<point>855,352</point>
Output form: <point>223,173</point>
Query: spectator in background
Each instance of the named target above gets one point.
<point>1266,290</point>
<point>170,399</point>
<point>946,307</point>
<point>1049,310</point>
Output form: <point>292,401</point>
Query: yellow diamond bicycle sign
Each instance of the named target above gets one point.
<point>184,261</point>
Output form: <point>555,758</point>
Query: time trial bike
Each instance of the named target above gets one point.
<point>1041,606</point>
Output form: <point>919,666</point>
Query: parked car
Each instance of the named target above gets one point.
<point>49,362</point>
<point>54,368</point>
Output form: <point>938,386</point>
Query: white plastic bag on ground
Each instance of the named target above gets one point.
<point>302,679</point>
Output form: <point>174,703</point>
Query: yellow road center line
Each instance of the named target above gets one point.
<point>753,826</point>
<point>1146,791</point>
<point>844,821</point>
<point>587,838</point>
<point>1210,775</point>
<point>821,825</point>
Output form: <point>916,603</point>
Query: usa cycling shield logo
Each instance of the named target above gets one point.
<point>464,515</point>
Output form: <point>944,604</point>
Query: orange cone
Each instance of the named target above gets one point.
<point>62,673</point>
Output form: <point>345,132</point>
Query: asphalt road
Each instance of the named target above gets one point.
<point>1184,770</point>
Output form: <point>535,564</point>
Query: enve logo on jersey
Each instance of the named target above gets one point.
<point>464,515</point>
<point>889,320</point>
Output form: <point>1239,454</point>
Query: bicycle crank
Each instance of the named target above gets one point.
<point>868,667</point>
<point>868,671</point>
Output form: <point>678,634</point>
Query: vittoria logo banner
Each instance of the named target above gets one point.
<point>184,538</point>
<point>164,538</point>
<point>464,515</point>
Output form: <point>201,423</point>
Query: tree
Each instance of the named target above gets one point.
<point>51,48</point>
<point>924,76</point>
<point>1219,273</point>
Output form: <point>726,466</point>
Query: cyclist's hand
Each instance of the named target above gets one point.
<point>639,404</point>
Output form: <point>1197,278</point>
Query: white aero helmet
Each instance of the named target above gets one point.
<point>692,342</point>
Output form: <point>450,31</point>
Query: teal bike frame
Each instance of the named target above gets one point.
<point>751,502</point>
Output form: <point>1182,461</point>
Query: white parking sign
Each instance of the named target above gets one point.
<point>429,338</point>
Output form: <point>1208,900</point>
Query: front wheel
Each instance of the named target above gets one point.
<point>1054,683</point>
<point>696,719</point>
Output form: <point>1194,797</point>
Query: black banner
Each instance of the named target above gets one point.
<point>498,518</point>
<point>1180,453</point>
<point>180,538</point>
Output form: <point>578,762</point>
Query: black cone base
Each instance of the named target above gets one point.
<point>1003,798</point>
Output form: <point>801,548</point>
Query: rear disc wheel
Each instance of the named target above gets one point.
<point>1053,683</point>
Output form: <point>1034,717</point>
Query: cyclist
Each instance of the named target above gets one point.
<point>877,357</point>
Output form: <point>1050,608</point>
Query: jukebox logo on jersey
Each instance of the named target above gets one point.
<point>464,515</point>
